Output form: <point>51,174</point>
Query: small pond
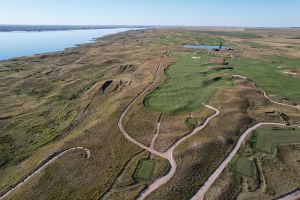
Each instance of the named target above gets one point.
<point>208,47</point>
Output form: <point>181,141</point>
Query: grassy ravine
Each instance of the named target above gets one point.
<point>57,112</point>
<point>34,131</point>
<point>189,84</point>
<point>269,75</point>
<point>145,170</point>
<point>265,139</point>
<point>243,166</point>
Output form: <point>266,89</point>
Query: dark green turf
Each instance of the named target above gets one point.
<point>189,84</point>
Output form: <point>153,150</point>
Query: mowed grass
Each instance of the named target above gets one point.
<point>204,40</point>
<point>166,40</point>
<point>269,75</point>
<point>189,84</point>
<point>243,166</point>
<point>259,45</point>
<point>145,170</point>
<point>242,35</point>
<point>266,139</point>
<point>197,36</point>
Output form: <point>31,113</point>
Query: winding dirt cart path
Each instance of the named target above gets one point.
<point>169,153</point>
<point>126,135</point>
<point>200,194</point>
<point>282,104</point>
<point>266,96</point>
<point>52,158</point>
<point>291,196</point>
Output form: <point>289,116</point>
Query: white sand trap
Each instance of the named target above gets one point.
<point>196,57</point>
<point>291,73</point>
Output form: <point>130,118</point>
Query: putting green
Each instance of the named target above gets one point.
<point>145,170</point>
<point>189,84</point>
<point>243,166</point>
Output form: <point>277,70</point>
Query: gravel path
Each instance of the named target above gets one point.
<point>291,196</point>
<point>52,158</point>
<point>205,187</point>
<point>213,177</point>
<point>169,153</point>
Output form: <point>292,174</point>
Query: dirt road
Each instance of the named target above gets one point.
<point>282,104</point>
<point>52,158</point>
<point>200,194</point>
<point>267,97</point>
<point>291,196</point>
<point>169,153</point>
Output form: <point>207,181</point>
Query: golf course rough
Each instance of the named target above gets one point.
<point>189,83</point>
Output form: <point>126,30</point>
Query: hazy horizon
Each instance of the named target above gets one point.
<point>141,25</point>
<point>216,13</point>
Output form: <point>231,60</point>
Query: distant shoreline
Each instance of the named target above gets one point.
<point>41,28</point>
<point>53,41</point>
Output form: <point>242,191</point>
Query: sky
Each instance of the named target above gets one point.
<point>245,13</point>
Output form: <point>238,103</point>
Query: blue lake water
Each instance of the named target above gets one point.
<point>17,44</point>
<point>208,47</point>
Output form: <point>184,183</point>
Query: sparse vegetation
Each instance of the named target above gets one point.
<point>75,97</point>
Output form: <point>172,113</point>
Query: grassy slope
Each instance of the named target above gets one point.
<point>97,131</point>
<point>55,93</point>
<point>268,75</point>
<point>189,84</point>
